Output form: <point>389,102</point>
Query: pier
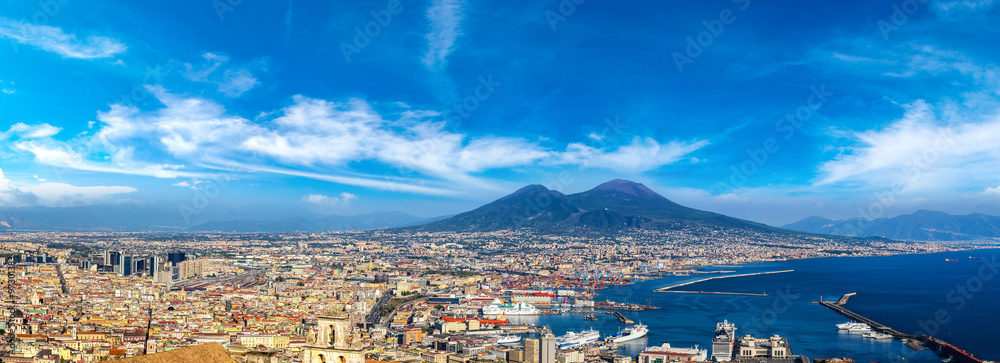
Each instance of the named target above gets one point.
<point>712,292</point>
<point>941,347</point>
<point>668,288</point>
<point>621,317</point>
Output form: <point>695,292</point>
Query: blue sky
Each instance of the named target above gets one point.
<point>766,111</point>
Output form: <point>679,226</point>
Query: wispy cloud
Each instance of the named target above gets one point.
<point>232,81</point>
<point>921,152</point>
<point>341,201</point>
<point>7,87</point>
<point>322,140</point>
<point>56,194</point>
<point>445,18</point>
<point>24,131</point>
<point>53,39</point>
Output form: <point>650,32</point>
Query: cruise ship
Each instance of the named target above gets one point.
<point>508,339</point>
<point>725,339</point>
<point>572,339</point>
<point>701,355</point>
<point>631,333</point>
<point>498,307</point>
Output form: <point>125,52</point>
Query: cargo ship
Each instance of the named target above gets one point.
<point>631,333</point>
<point>572,339</point>
<point>725,339</point>
<point>498,307</point>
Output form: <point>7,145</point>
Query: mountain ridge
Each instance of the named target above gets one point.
<point>922,225</point>
<point>610,207</point>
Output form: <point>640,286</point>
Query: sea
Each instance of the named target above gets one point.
<point>954,296</point>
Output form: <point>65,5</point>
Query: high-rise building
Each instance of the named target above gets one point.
<point>532,350</point>
<point>191,268</point>
<point>176,257</point>
<point>127,266</point>
<point>112,258</point>
<point>547,353</point>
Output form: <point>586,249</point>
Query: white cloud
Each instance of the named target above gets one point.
<point>65,195</point>
<point>236,82</point>
<point>25,131</point>
<point>233,81</point>
<point>963,5</point>
<point>921,152</point>
<point>182,184</point>
<point>62,155</point>
<point>341,201</point>
<point>53,39</point>
<point>323,140</point>
<point>642,154</point>
<point>56,194</point>
<point>445,17</point>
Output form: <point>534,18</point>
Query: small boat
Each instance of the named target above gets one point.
<point>947,260</point>
<point>590,317</point>
<point>974,258</point>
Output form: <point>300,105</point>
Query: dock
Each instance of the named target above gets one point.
<point>621,317</point>
<point>941,347</point>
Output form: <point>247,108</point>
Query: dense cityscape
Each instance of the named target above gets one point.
<point>399,297</point>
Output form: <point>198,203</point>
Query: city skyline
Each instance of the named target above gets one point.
<point>761,111</point>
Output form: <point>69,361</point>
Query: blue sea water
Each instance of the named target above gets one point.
<point>958,302</point>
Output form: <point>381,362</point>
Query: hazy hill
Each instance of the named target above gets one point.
<point>161,216</point>
<point>922,225</point>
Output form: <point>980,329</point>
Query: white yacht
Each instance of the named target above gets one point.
<point>854,327</point>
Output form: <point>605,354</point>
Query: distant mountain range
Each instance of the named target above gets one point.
<point>610,207</point>
<point>922,225</point>
<point>160,217</point>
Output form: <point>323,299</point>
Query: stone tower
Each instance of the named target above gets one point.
<point>333,341</point>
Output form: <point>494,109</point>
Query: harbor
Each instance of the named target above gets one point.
<point>948,351</point>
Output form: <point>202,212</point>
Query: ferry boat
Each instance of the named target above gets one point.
<point>498,307</point>
<point>572,339</point>
<point>701,355</point>
<point>508,339</point>
<point>722,344</point>
<point>630,333</point>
